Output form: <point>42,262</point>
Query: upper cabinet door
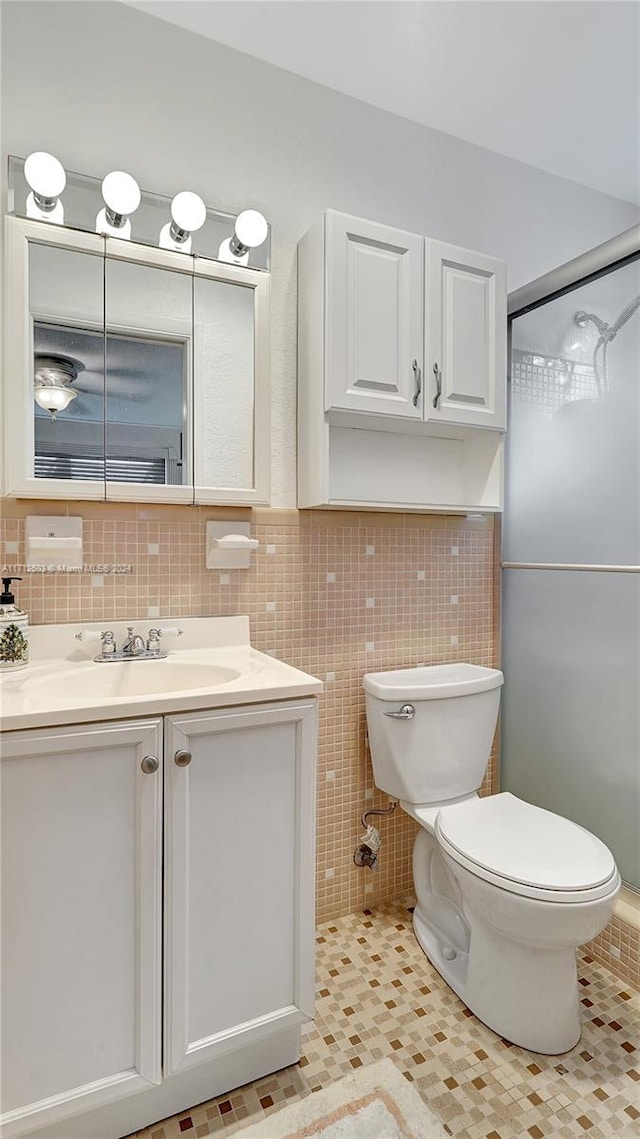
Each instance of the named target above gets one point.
<point>374,308</point>
<point>231,404</point>
<point>466,326</point>
<point>54,284</point>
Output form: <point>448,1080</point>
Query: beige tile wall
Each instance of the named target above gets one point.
<point>336,594</point>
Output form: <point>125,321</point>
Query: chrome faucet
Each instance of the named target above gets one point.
<point>134,645</point>
<point>134,648</point>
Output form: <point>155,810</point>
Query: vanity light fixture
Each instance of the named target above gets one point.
<point>250,231</point>
<point>52,376</point>
<point>188,214</point>
<point>121,195</point>
<point>46,179</point>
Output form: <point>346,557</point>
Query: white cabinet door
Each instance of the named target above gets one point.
<point>374,317</point>
<point>239,897</point>
<point>81,919</point>
<point>466,324</point>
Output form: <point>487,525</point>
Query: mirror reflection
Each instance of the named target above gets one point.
<point>66,303</point>
<point>141,374</point>
<point>148,351</point>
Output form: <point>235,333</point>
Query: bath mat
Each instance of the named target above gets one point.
<point>376,1102</point>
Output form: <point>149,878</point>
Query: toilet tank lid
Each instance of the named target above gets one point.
<point>432,682</point>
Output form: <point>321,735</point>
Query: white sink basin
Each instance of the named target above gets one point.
<point>214,667</point>
<point>130,678</point>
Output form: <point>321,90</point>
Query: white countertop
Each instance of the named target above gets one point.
<point>42,694</point>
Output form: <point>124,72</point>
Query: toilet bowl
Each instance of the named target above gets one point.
<point>505,891</point>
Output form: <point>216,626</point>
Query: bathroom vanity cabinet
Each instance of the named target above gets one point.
<point>402,370</point>
<point>158,918</point>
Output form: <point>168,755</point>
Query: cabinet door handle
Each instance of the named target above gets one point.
<point>417,375</point>
<point>149,764</point>
<point>182,758</point>
<point>438,375</point>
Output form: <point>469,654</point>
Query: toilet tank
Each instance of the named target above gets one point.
<point>440,751</point>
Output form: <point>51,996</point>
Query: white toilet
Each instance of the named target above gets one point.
<point>505,891</point>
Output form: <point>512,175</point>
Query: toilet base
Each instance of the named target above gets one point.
<point>524,990</point>
<point>530,998</point>
<point>527,994</point>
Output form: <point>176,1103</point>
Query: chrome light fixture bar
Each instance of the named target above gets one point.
<point>116,207</point>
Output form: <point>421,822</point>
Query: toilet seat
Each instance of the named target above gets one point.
<point>526,850</point>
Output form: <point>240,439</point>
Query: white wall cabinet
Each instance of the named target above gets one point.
<point>91,1044</point>
<point>401,370</point>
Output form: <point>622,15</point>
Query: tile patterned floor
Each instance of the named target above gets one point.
<point>379,996</point>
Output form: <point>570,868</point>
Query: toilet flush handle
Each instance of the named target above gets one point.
<point>407,712</point>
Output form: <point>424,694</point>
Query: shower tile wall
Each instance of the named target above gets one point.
<point>547,383</point>
<point>336,594</point>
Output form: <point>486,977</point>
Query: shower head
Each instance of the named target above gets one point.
<point>582,319</point>
<point>606,333</point>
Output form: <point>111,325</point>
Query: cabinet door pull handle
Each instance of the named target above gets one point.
<point>438,375</point>
<point>417,375</point>
<point>182,758</point>
<point>149,764</point>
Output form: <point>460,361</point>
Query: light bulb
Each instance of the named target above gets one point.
<point>121,194</point>
<point>251,228</point>
<point>45,174</point>
<point>46,178</point>
<point>188,213</point>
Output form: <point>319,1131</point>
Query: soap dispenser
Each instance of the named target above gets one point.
<point>14,630</point>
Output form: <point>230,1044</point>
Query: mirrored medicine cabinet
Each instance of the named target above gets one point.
<point>132,373</point>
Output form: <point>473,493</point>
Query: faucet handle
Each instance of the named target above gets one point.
<point>153,640</point>
<point>107,637</point>
<point>93,635</point>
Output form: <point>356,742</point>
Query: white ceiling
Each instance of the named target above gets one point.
<point>554,83</point>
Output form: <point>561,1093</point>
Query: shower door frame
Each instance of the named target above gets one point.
<point>619,251</point>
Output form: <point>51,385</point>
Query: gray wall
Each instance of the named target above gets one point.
<point>104,86</point>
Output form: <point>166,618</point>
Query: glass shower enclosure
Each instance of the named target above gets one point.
<point>571,549</point>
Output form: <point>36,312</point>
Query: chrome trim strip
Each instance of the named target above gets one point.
<point>618,248</point>
<point>577,567</point>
